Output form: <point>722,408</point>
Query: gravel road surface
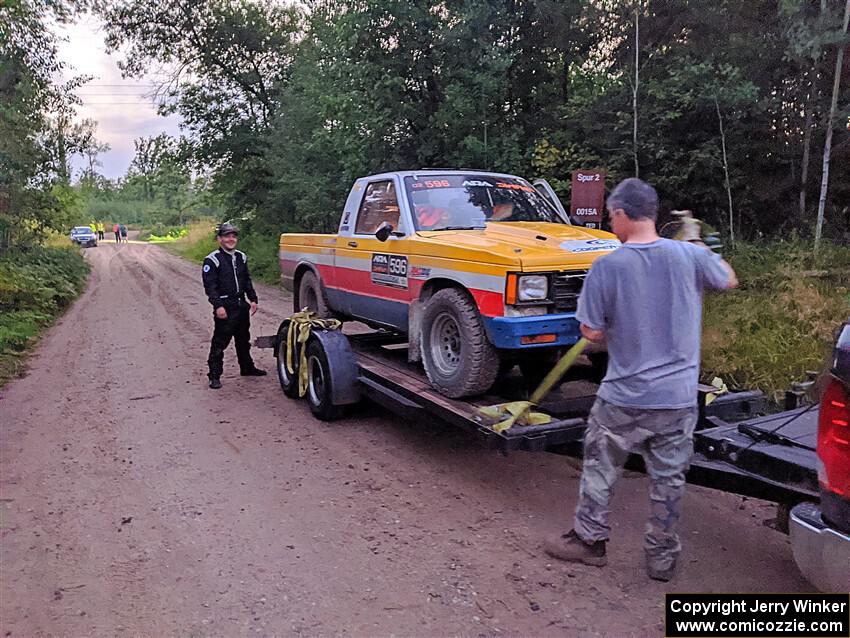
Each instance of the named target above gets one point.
<point>136,501</point>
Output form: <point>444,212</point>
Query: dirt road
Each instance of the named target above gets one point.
<point>136,501</point>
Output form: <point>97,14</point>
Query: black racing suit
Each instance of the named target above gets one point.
<point>227,284</point>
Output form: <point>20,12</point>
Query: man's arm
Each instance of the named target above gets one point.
<point>248,285</point>
<point>716,271</point>
<point>210,278</point>
<point>594,336</point>
<point>591,304</point>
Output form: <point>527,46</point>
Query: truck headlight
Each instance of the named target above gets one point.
<point>532,288</point>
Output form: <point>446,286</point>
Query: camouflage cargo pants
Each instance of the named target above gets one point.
<point>665,440</point>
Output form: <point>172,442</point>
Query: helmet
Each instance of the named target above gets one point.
<point>225,229</point>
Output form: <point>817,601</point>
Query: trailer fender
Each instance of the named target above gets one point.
<point>342,366</point>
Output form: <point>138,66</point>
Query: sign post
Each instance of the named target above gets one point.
<point>587,197</point>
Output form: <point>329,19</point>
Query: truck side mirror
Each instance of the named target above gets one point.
<point>384,231</point>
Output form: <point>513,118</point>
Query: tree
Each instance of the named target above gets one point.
<point>830,125</point>
<point>31,201</point>
<point>91,149</point>
<point>150,153</point>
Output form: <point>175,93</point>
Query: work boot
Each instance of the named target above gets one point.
<point>254,372</point>
<point>571,548</point>
<point>664,575</point>
<point>215,384</point>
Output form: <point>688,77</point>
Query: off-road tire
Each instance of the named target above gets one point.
<point>477,362</point>
<point>312,297</point>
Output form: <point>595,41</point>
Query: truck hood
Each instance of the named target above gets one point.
<point>534,246</point>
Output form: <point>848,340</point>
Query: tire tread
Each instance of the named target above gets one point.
<point>484,363</point>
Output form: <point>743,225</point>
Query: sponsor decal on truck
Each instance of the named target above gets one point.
<point>389,270</point>
<point>590,245</point>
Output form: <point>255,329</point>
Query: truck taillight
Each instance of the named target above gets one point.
<point>834,439</point>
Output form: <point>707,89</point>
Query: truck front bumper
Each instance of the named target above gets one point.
<point>822,553</point>
<point>507,332</point>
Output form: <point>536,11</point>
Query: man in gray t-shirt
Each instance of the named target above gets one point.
<point>644,300</point>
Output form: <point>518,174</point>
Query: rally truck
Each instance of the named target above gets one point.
<point>479,271</point>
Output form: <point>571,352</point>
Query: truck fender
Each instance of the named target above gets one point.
<point>342,364</point>
<point>414,331</point>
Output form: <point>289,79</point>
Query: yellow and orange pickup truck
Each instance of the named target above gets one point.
<point>478,269</point>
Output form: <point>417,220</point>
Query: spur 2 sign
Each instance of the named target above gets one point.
<point>587,197</point>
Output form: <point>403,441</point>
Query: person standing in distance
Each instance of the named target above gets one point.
<point>645,301</point>
<point>227,283</point>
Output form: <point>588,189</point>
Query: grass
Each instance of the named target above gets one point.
<point>781,322</point>
<point>160,233</point>
<point>262,250</point>
<point>36,285</point>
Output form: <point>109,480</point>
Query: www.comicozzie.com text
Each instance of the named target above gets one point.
<point>727,607</point>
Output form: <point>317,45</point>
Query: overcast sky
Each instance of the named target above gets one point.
<point>119,106</point>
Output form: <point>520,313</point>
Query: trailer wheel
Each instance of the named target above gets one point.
<point>288,381</point>
<point>319,388</point>
<point>311,296</point>
<point>458,358</point>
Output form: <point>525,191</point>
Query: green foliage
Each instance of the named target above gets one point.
<point>285,108</point>
<point>35,286</point>
<point>262,249</point>
<point>263,256</point>
<point>197,243</point>
<point>782,320</point>
<point>160,233</point>
<point>30,106</point>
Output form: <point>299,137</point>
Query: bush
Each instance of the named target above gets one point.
<point>262,250</point>
<point>782,320</point>
<point>36,284</point>
<point>162,233</point>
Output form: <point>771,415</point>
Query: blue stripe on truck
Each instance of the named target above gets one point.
<point>388,312</point>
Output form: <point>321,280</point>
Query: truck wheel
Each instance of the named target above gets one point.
<point>310,296</point>
<point>458,358</point>
<point>319,390</point>
<point>288,381</point>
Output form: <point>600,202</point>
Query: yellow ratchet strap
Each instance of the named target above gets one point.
<point>300,325</point>
<point>519,412</point>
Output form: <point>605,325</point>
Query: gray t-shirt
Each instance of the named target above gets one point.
<point>647,298</point>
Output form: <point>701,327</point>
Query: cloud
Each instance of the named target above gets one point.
<point>122,107</point>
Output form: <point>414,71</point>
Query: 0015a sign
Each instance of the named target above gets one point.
<point>587,197</point>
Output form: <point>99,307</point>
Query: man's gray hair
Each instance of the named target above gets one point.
<point>637,198</point>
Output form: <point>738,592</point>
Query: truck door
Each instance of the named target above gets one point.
<point>373,274</point>
<point>545,189</point>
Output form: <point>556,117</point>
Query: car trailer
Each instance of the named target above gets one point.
<point>735,450</point>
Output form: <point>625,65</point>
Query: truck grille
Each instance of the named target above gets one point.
<point>566,287</point>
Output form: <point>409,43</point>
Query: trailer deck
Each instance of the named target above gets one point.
<point>736,450</point>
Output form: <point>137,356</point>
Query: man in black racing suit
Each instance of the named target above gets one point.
<point>228,284</point>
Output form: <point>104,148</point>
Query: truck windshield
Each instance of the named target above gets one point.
<point>454,202</point>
